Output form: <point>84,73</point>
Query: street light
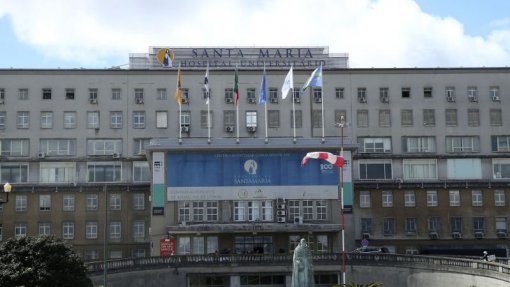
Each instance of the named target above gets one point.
<point>341,124</point>
<point>4,196</point>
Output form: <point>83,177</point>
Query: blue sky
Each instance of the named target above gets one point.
<point>375,33</point>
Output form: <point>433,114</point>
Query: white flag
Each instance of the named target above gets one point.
<point>287,84</point>
<point>206,85</point>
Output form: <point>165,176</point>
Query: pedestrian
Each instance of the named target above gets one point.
<point>485,256</point>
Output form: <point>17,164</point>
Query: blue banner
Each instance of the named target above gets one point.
<point>247,169</point>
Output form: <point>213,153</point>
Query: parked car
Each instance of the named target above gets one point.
<point>371,249</point>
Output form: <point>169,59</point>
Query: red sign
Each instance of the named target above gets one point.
<point>167,246</point>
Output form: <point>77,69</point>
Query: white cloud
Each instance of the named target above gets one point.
<point>384,33</point>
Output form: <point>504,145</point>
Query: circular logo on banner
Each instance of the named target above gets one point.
<point>165,57</point>
<point>250,166</point>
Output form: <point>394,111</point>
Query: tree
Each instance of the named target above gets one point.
<point>41,261</point>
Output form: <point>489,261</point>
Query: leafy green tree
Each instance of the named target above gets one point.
<point>41,261</point>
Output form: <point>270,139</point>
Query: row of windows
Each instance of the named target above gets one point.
<point>434,225</point>
<point>69,202</point>
<point>66,172</point>
<point>139,119</point>
<point>454,196</point>
<point>93,254</point>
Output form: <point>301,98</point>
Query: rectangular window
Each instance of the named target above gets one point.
<point>23,120</point>
<point>140,146</point>
<point>115,94</point>
<point>387,198</point>
<point>316,118</point>
<point>462,144</point>
<point>420,169</point>
<point>161,94</point>
<point>138,96</point>
<point>364,199</point>
<point>229,95</point>
<point>494,93</point>
<point>388,226</point>
<point>14,147</point>
<point>20,229</point>
<point>450,94</point>
<point>362,95</point>
<point>69,94</point>
<point>183,245</point>
<point>362,118</point>
<point>273,118</point>
<point>299,119</point>
<point>419,144</point>
<point>138,201</point>
<point>432,198</point>
<point>501,224</point>
<point>406,118</point>
<point>91,202</point>
<point>115,201</point>
<point>44,202</point>
<point>476,198</point>
<point>93,120</point>
<point>104,171</point>
<point>69,120</point>
<point>44,228</point>
<point>339,93</point>
<point>141,172</point>
<point>473,117</point>
<point>251,119</point>
<point>499,197</point>
<point>454,197</point>
<point>229,119</point>
<point>374,145</point>
<point>500,143</point>
<point>384,95</point>
<point>317,94</point>
<point>451,117</point>
<point>46,120</point>
<point>384,118</point>
<point>366,225</point>
<point>456,224</point>
<point>57,172</point>
<point>433,224</point>
<point>3,116</point>
<point>296,95</point>
<point>161,120</point>
<point>58,147</point>
<point>321,209</point>
<point>250,96</point>
<point>496,117</point>
<point>46,94</point>
<point>91,230</point>
<point>464,168</point>
<point>138,119</point>
<point>115,230</point>
<point>273,95</point>
<point>410,225</point>
<point>139,230</point>
<point>68,202</point>
<point>472,94</point>
<point>185,95</point>
<point>427,92</point>
<point>307,209</point>
<point>22,94</point>
<point>375,169</point>
<point>21,203</point>
<point>406,92</point>
<point>479,224</point>
<point>429,118</point>
<point>340,117</point>
<point>409,198</point>
<point>93,95</point>
<point>116,120</point>
<point>68,230</point>
<point>205,121</point>
<point>14,172</point>
<point>104,146</point>
<point>501,168</point>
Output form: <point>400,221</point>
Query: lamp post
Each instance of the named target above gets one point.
<point>105,238</point>
<point>4,196</point>
<point>341,124</point>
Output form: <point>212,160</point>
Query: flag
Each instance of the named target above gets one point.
<point>287,84</point>
<point>178,92</point>
<point>206,85</point>
<point>236,88</point>
<point>262,94</point>
<point>315,79</point>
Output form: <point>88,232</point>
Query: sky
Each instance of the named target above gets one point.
<point>375,33</point>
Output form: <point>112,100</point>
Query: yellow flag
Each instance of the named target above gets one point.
<point>178,92</point>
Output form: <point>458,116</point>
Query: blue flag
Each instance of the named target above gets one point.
<point>262,94</point>
<point>315,79</point>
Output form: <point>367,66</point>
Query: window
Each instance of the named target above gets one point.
<point>339,115</point>
<point>429,118</point>
<point>384,95</point>
<point>185,211</point>
<point>21,203</point>
<point>321,209</point>
<point>374,145</point>
<point>450,94</point>
<point>362,118</point>
<point>58,147</point>
<point>14,172</point>
<point>420,169</point>
<point>496,117</point>
<point>139,201</point>
<point>161,94</point>
<point>298,119</point>
<point>454,196</point>
<point>90,255</point>
<point>116,120</point>
<point>22,94</point>
<point>501,168</point>
<point>23,120</point>
<point>185,95</point>
<point>115,94</point>
<point>472,94</point>
<point>364,199</point>
<point>500,143</point>
<point>205,121</point>
<point>137,253</point>
<point>161,120</point>
<point>229,96</point>
<point>138,119</point>
<point>141,172</point>
<point>387,198</point>
<point>410,225</point>
<point>375,169</point>
<point>115,201</point>
<point>20,229</point>
<point>464,168</point>
<point>44,202</point>
<point>69,120</point>
<point>432,198</point>
<point>104,146</point>
<point>115,230</point>
<point>91,230</point>
<point>250,95</point>
<point>462,144</point>
<point>409,198</point>
<point>273,118</point>
<point>93,95</point>
<point>296,95</point>
<point>2,95</point>
<point>115,254</point>
<point>256,210</point>
<point>139,230</point>
<point>68,202</point>
<point>185,119</point>
<point>388,226</point>
<point>251,119</point>
<point>406,92</point>
<point>366,225</point>
<point>476,198</point>
<point>69,94</point>
<point>273,95</point>
<point>140,145</point>
<point>46,94</point>
<point>93,120</point>
<point>2,120</point>
<point>44,228</point>
<point>494,93</point>
<point>198,211</point>
<point>473,117</point>
<point>68,230</point>
<point>433,224</point>
<point>499,197</point>
<point>14,147</point>
<point>339,93</point>
<point>91,202</point>
<point>362,95</point>
<point>104,172</point>
<point>456,224</point>
<point>206,211</point>
<point>501,224</point>
<point>479,224</point>
<point>427,92</point>
<point>139,96</point>
<point>384,118</point>
<point>322,244</point>
<point>316,118</point>
<point>317,94</point>
<point>229,118</point>
<point>451,117</point>
<point>46,120</point>
<point>419,144</point>
<point>406,118</point>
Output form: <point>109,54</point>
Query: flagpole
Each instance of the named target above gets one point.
<point>265,120</point>
<point>180,124</point>
<point>208,118</point>
<point>322,114</point>
<point>293,113</point>
<point>236,102</point>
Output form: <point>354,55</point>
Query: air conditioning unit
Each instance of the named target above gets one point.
<point>280,206</point>
<point>185,129</point>
<point>501,234</point>
<point>298,220</point>
<point>362,99</point>
<point>116,155</point>
<point>281,219</point>
<point>385,99</point>
<point>318,100</point>
<point>251,100</point>
<point>450,99</point>
<point>495,98</point>
<point>252,129</point>
<point>93,101</point>
<point>280,213</point>
<point>139,101</point>
<point>274,100</point>
<point>297,100</point>
<point>229,129</point>
<point>479,235</point>
<point>229,100</point>
<point>456,235</point>
<point>41,155</point>
<point>433,235</point>
<point>184,100</point>
<point>365,235</point>
<point>411,233</point>
<point>472,99</point>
